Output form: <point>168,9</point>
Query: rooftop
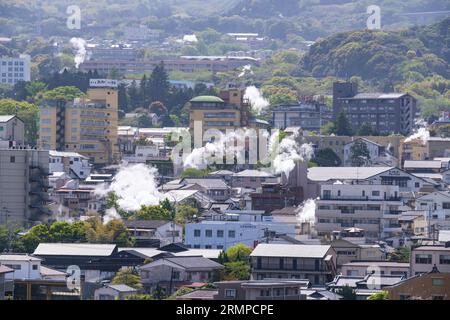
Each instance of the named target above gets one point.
<point>432,248</point>
<point>209,99</point>
<point>145,224</point>
<point>54,153</point>
<point>121,288</point>
<point>192,263</point>
<point>377,95</point>
<point>74,249</point>
<point>6,118</point>
<point>200,294</point>
<point>207,183</point>
<point>253,173</point>
<point>290,250</point>
<point>5,269</point>
<point>18,257</point>
<point>344,173</point>
<point>425,164</point>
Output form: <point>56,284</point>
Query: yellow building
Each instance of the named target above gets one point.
<point>86,125</point>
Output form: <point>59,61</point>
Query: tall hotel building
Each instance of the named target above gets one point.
<point>86,125</point>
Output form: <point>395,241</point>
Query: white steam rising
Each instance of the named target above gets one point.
<point>257,101</point>
<point>308,212</point>
<point>289,152</point>
<point>422,134</point>
<point>135,185</point>
<point>199,158</point>
<point>80,45</point>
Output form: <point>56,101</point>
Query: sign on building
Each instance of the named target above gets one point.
<point>103,83</point>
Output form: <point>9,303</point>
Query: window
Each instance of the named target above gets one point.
<point>446,205</point>
<point>230,293</point>
<point>423,258</point>
<point>376,193</point>
<point>219,247</point>
<point>176,275</point>
<point>437,282</point>
<point>196,233</point>
<point>208,246</point>
<point>35,266</point>
<point>12,159</point>
<point>417,185</point>
<point>219,233</point>
<point>231,234</point>
<point>14,266</point>
<point>208,233</point>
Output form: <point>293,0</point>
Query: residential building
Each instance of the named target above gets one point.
<point>215,189</point>
<point>262,290</point>
<point>252,179</point>
<point>362,268</point>
<point>172,273</point>
<point>377,154</point>
<point>86,125</point>
<point>23,185</point>
<point>438,147</point>
<point>348,251</point>
<point>364,286</point>
<point>373,208</point>
<point>12,129</point>
<point>232,230</point>
<point>14,69</point>
<point>72,163</point>
<point>114,292</point>
<point>275,196</point>
<point>189,64</point>
<point>385,112</point>
<point>96,261</point>
<point>24,266</point>
<point>413,149</point>
<point>432,285</point>
<point>316,263</point>
<point>387,176</point>
<point>422,166</point>
<point>161,232</point>
<point>424,258</point>
<point>118,52</point>
<point>308,114</point>
<point>436,210</point>
<point>198,294</point>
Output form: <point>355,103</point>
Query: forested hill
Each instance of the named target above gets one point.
<point>396,56</point>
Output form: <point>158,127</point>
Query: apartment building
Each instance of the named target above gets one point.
<point>12,129</point>
<point>14,69</point>
<point>247,227</point>
<point>23,185</point>
<point>385,112</point>
<point>72,163</point>
<point>86,125</point>
<point>436,210</point>
<point>362,268</point>
<point>373,208</point>
<point>425,258</point>
<point>308,114</point>
<point>188,64</point>
<point>316,263</point>
<point>438,147</point>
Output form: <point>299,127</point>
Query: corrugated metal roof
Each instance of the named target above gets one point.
<point>121,288</point>
<point>344,173</point>
<point>18,257</point>
<point>74,249</point>
<point>290,250</point>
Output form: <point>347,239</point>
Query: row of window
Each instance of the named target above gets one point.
<point>428,259</point>
<point>219,233</point>
<point>10,63</point>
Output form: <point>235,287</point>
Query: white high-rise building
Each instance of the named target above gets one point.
<point>14,69</point>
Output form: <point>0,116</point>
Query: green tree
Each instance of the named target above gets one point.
<point>347,293</point>
<point>185,213</point>
<point>159,84</point>
<point>238,252</point>
<point>155,212</point>
<point>193,173</point>
<point>66,93</point>
<point>342,125</point>
<point>237,270</point>
<point>401,254</point>
<point>327,158</point>
<point>140,297</point>
<point>3,238</point>
<point>128,277</point>
<point>359,153</point>
<point>383,295</point>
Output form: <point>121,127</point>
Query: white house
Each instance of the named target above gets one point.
<point>225,234</point>
<point>165,232</point>
<point>72,163</point>
<point>375,150</point>
<point>436,206</point>
<point>24,266</point>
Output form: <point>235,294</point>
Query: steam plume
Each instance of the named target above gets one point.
<point>257,101</point>
<point>80,45</point>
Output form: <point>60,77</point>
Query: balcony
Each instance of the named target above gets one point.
<point>358,198</point>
